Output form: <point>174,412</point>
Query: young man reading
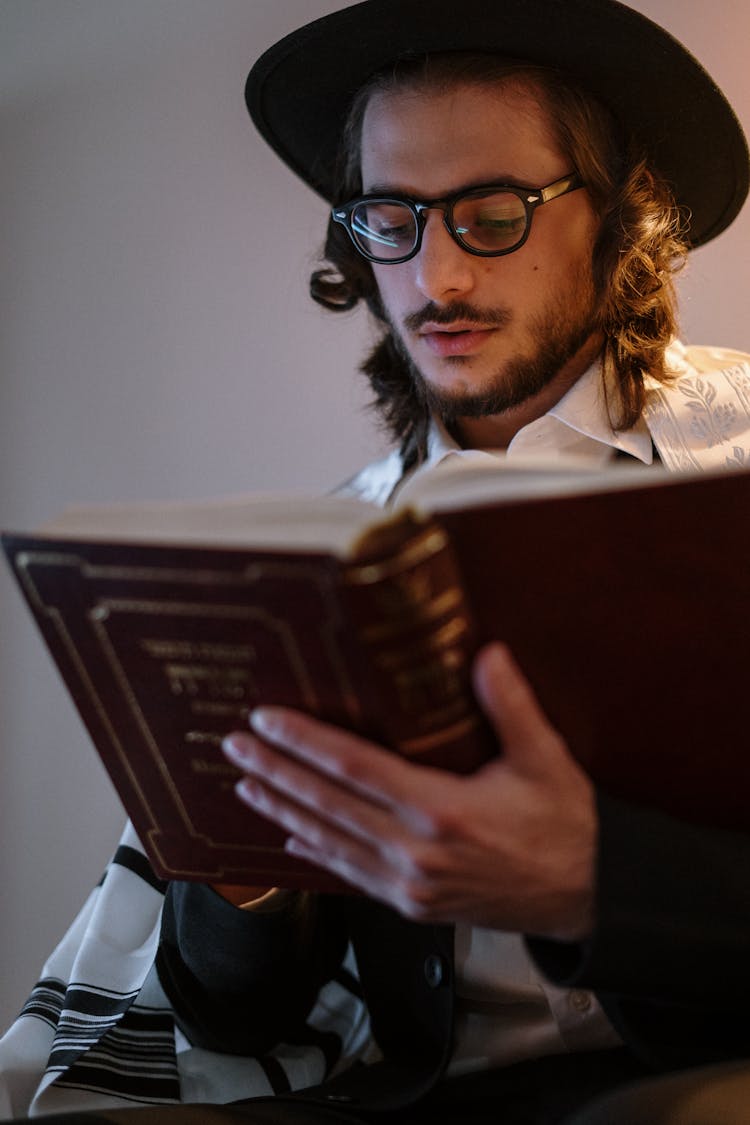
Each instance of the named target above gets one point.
<point>514,188</point>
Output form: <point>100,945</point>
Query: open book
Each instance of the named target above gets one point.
<point>623,595</point>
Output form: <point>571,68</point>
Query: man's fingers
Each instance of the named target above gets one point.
<point>349,761</point>
<point>365,791</point>
<point>284,789</point>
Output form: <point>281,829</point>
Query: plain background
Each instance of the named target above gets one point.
<point>156,340</point>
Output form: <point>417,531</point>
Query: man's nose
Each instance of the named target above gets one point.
<point>443,269</point>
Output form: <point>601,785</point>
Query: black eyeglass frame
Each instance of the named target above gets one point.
<point>531,198</point>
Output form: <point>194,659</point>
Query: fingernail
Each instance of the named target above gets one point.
<point>262,722</point>
<point>234,746</point>
<point>241,790</point>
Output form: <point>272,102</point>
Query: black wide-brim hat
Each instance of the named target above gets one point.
<point>299,91</point>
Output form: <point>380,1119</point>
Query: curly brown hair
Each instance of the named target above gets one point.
<point>641,242</point>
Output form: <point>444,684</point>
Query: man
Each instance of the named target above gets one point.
<point>523,942</point>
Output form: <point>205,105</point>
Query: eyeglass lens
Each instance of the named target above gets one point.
<point>387,229</point>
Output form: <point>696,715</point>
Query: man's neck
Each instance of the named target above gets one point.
<point>496,431</point>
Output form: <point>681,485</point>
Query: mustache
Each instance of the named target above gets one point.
<point>457,311</point>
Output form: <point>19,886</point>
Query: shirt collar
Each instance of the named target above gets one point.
<point>577,426</point>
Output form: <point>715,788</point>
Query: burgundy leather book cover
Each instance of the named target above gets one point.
<point>628,610</point>
<point>166,650</point>
<point>630,613</point>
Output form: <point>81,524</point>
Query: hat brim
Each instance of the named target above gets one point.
<point>299,92</point>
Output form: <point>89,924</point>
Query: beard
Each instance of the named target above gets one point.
<point>558,336</point>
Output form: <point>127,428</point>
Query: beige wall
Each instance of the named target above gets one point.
<point>156,340</point>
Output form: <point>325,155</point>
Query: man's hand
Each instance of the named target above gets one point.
<point>509,847</point>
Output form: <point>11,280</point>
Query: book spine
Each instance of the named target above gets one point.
<point>405,599</point>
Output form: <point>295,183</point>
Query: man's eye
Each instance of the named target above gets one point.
<point>389,220</point>
<point>501,223</point>
<point>495,228</point>
<point>386,226</point>
<point>385,230</point>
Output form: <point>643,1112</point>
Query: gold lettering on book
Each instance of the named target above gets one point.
<point>204,670</point>
<point>404,613</point>
<point>438,646</point>
<point>221,775</point>
<point>206,767</point>
<point>416,629</point>
<point>207,679</point>
<point>203,737</point>
<point>417,551</point>
<point>208,707</point>
<point>168,649</point>
<point>427,679</point>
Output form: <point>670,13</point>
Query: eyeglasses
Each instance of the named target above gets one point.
<point>488,220</point>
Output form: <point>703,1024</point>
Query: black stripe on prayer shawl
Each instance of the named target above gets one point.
<point>45,1001</point>
<point>348,981</point>
<point>134,1061</point>
<point>87,1015</point>
<point>329,1043</point>
<point>275,1073</point>
<point>136,862</point>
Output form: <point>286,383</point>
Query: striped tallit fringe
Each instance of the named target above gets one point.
<point>98,1031</point>
<point>134,1061</point>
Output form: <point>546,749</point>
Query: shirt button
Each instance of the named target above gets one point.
<point>433,970</point>
<point>580,1001</point>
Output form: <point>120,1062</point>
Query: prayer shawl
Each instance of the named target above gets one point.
<point>98,1031</point>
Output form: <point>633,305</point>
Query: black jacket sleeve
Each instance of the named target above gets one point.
<point>669,953</point>
<point>240,981</point>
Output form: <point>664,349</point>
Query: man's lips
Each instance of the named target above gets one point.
<point>454,339</point>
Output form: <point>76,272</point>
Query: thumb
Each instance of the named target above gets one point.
<point>527,738</point>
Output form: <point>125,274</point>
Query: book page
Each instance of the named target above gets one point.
<point>460,482</point>
<point>276,521</point>
<point>334,523</point>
